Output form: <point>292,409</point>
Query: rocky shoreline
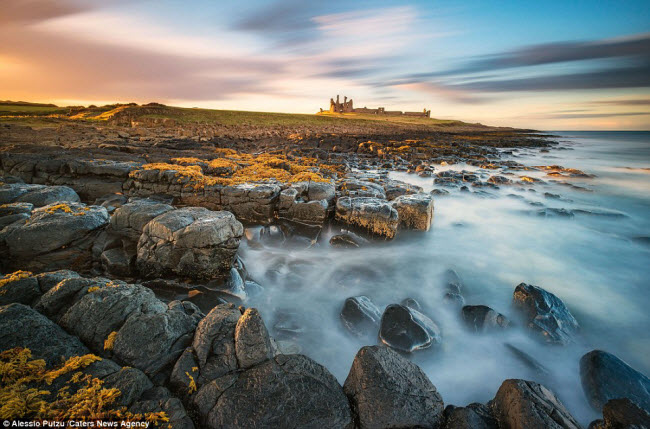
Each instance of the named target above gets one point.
<point>137,260</point>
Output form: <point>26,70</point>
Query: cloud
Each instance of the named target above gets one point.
<point>592,115</point>
<point>636,76</point>
<point>559,52</point>
<point>626,102</point>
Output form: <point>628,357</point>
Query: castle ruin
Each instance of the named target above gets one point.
<point>347,106</point>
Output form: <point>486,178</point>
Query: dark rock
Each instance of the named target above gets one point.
<point>131,383</point>
<point>545,314</point>
<point>22,326</point>
<point>56,236</point>
<point>527,360</point>
<point>49,195</point>
<point>407,330</point>
<point>521,404</point>
<point>360,316</point>
<point>159,399</point>
<point>479,318</point>
<point>473,416</point>
<point>20,287</point>
<point>289,391</point>
<point>348,240</point>
<point>622,414</point>
<point>605,377</point>
<point>386,390</point>
<point>252,342</point>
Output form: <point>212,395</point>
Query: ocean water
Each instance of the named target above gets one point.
<point>597,262</point>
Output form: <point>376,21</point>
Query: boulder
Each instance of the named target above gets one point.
<point>545,314</point>
<point>160,399</point>
<point>10,192</point>
<point>622,414</point>
<point>473,416</point>
<point>360,316</point>
<point>372,214</point>
<point>288,391</point>
<point>129,220</point>
<point>386,390</point>
<point>348,240</point>
<point>152,342</point>
<point>521,404</point>
<point>360,188</point>
<point>191,242</point>
<point>252,342</point>
<point>605,377</point>
<point>14,212</point>
<point>415,211</point>
<point>22,326</point>
<point>479,318</point>
<point>406,329</point>
<point>19,287</point>
<point>55,236</point>
<point>251,202</point>
<point>214,342</point>
<point>49,195</point>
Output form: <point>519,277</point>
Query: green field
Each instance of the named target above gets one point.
<point>37,114</point>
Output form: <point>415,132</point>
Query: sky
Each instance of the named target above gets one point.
<point>551,65</point>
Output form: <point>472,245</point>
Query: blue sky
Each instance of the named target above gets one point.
<point>545,65</point>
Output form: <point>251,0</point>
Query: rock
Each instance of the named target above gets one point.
<point>191,242</point>
<point>56,236</point>
<point>528,360</point>
<point>521,404</point>
<point>251,202</point>
<point>415,211</point>
<point>214,342</point>
<point>22,326</point>
<point>386,390</point>
<point>152,342</point>
<point>605,377</point>
<point>622,414</point>
<point>19,287</point>
<point>288,391</point>
<point>252,342</point>
<point>129,220</point>
<point>14,212</point>
<point>407,330</point>
<point>373,214</point>
<point>49,195</point>
<point>159,399</point>
<point>473,416</point>
<point>10,192</point>
<point>439,192</point>
<point>47,281</point>
<point>479,318</point>
<point>359,188</point>
<point>360,316</point>
<point>348,240</point>
<point>545,314</point>
<point>117,262</point>
<point>131,383</point>
<point>111,202</point>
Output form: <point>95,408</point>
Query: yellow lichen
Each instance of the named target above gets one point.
<point>109,343</point>
<point>93,289</point>
<point>192,385</point>
<point>23,394</point>
<point>17,275</point>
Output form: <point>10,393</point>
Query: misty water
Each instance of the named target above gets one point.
<point>597,262</point>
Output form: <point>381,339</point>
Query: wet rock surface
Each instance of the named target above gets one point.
<point>360,316</point>
<point>545,314</point>
<point>473,416</point>
<point>605,377</point>
<point>521,404</point>
<point>622,413</point>
<point>415,211</point>
<point>407,330</point>
<point>386,390</point>
<point>479,318</point>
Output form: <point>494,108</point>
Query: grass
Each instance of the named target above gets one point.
<point>22,112</point>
